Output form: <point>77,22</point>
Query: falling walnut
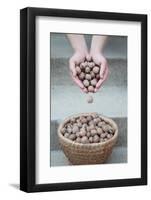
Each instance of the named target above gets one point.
<point>90,99</point>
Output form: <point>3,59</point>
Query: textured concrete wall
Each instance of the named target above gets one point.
<point>67,98</point>
<point>122,138</point>
<point>116,46</point>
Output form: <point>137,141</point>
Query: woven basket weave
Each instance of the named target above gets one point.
<point>95,153</point>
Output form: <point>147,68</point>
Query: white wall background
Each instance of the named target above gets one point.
<point>9,98</point>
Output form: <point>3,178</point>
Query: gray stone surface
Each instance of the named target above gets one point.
<point>122,138</point>
<point>117,73</point>
<point>119,155</point>
<point>67,98</point>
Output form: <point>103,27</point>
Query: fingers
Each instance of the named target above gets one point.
<point>98,85</point>
<point>85,90</point>
<point>72,68</point>
<point>102,70</point>
<point>79,83</point>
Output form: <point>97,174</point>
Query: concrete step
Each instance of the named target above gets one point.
<point>121,142</point>
<point>119,155</point>
<point>69,100</point>
<point>117,73</point>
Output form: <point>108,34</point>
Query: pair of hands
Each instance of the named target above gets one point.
<point>98,58</point>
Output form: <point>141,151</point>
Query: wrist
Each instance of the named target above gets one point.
<point>81,51</point>
<point>95,51</point>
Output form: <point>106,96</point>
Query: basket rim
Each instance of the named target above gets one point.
<point>107,119</point>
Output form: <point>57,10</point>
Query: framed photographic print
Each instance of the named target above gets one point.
<point>83,99</point>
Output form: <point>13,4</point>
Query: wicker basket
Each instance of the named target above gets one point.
<point>95,153</point>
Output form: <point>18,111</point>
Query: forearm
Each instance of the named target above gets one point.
<point>78,42</point>
<point>98,43</point>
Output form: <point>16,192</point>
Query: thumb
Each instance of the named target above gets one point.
<point>72,68</point>
<point>102,70</point>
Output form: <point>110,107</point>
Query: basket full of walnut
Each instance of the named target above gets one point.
<point>87,138</point>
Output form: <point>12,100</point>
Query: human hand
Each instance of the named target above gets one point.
<point>101,61</point>
<point>77,58</point>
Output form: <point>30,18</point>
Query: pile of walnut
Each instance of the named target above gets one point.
<point>87,129</point>
<point>88,73</point>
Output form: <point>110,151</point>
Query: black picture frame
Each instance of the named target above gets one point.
<point>28,99</point>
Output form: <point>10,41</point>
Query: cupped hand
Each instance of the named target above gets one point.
<point>101,61</point>
<point>75,60</point>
